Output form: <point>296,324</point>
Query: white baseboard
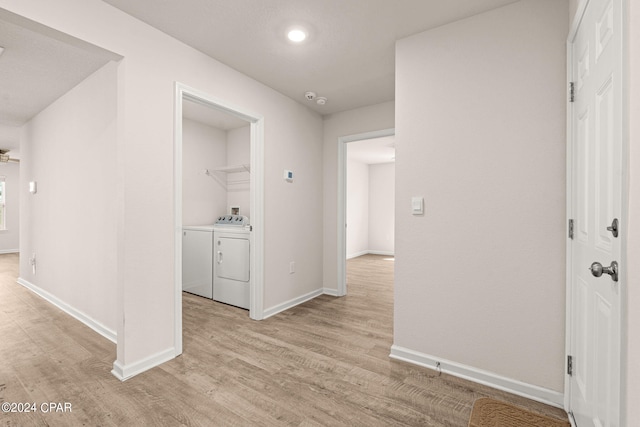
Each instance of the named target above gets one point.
<point>330,291</point>
<point>9,251</point>
<point>368,251</point>
<point>533,392</point>
<point>124,372</point>
<point>291,303</point>
<point>386,253</point>
<point>357,254</point>
<point>109,334</point>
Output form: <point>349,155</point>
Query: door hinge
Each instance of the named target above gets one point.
<point>572,91</point>
<point>570,365</point>
<point>571,229</point>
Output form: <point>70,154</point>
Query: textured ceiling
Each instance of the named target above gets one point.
<point>38,66</point>
<point>348,57</point>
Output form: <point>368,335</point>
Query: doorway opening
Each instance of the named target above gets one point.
<point>247,179</point>
<point>383,140</point>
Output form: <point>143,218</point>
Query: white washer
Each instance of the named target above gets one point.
<point>197,260</point>
<point>231,255</point>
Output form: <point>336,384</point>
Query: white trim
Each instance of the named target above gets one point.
<point>9,251</point>
<point>624,216</point>
<point>256,121</point>
<point>330,292</point>
<point>385,253</point>
<point>109,334</point>
<point>577,19</point>
<point>124,372</point>
<point>530,391</point>
<point>569,208</point>
<point>292,303</point>
<point>177,214</point>
<point>342,199</point>
<point>357,254</point>
<point>256,185</point>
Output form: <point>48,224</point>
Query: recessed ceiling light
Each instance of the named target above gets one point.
<point>297,35</point>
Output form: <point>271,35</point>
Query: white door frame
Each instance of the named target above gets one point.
<point>342,199</point>
<point>624,216</point>
<point>256,180</point>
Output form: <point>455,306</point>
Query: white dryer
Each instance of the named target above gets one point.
<point>232,260</point>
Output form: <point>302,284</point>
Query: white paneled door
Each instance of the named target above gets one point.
<point>595,207</point>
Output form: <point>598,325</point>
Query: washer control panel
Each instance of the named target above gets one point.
<point>232,220</point>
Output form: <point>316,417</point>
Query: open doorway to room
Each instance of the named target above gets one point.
<point>218,207</point>
<point>366,185</point>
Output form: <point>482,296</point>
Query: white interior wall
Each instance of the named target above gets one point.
<point>239,153</point>
<point>357,208</point>
<point>144,180</point>
<point>204,196</point>
<point>382,208</point>
<point>10,238</point>
<point>370,208</point>
<point>573,7</point>
<point>70,223</point>
<point>351,122</point>
<point>480,134</point>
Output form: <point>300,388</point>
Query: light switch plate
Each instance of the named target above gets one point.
<point>417,205</point>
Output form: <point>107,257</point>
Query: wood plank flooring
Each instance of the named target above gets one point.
<point>323,363</point>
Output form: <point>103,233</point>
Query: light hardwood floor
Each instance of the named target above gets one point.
<point>323,363</point>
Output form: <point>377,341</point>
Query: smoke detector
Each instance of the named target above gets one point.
<point>4,157</point>
<point>310,96</point>
<point>321,100</point>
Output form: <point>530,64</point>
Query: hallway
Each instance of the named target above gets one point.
<point>325,362</point>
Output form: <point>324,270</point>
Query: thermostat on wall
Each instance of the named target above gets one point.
<point>288,176</point>
<point>33,187</point>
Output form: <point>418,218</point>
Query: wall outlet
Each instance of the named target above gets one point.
<point>32,261</point>
<point>292,267</point>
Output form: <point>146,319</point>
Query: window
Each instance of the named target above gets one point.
<point>3,223</point>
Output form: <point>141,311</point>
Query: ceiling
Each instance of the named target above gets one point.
<point>211,116</point>
<point>372,151</point>
<point>38,66</point>
<point>349,56</point>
